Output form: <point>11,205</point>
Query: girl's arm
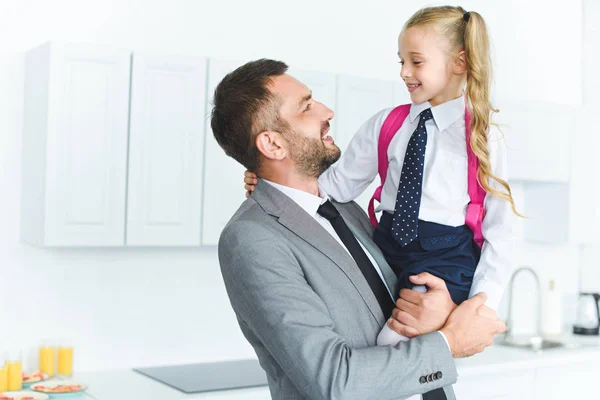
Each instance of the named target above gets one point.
<point>357,167</point>
<point>497,257</point>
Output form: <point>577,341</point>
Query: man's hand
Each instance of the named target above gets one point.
<point>250,181</point>
<point>471,327</point>
<point>420,313</point>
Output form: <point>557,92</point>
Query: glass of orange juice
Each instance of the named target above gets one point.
<point>65,361</point>
<point>14,370</point>
<point>47,359</point>
<point>3,376</point>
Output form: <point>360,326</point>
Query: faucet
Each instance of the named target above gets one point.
<point>509,323</point>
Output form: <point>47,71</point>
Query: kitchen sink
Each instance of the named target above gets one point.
<point>535,343</point>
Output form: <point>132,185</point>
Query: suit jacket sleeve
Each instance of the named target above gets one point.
<point>270,294</point>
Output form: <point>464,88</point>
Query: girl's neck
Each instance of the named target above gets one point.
<point>445,97</point>
<point>452,91</point>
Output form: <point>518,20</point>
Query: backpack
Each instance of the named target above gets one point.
<point>475,210</point>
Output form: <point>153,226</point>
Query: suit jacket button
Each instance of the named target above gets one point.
<point>438,375</point>
<point>430,378</point>
<point>422,380</point>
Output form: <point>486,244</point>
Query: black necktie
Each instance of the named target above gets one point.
<point>436,394</point>
<point>328,211</point>
<point>408,200</point>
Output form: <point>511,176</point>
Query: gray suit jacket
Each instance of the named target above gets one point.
<point>309,313</point>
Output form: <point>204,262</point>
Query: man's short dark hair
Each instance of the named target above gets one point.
<point>243,106</point>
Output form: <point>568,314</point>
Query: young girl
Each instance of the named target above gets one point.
<point>430,221</point>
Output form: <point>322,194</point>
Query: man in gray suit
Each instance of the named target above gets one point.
<point>302,274</point>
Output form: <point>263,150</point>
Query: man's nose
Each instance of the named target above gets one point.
<point>327,112</point>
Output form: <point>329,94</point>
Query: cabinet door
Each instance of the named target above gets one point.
<point>358,99</point>
<point>223,176</point>
<point>503,385</point>
<point>75,145</point>
<point>166,150</point>
<point>568,381</point>
<point>539,140</point>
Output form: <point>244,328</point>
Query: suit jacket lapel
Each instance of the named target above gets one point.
<point>294,218</point>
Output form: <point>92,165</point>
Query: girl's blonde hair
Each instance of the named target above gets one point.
<point>468,32</point>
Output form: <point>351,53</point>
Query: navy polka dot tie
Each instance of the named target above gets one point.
<point>406,212</point>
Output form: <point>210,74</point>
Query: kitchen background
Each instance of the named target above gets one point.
<point>125,307</point>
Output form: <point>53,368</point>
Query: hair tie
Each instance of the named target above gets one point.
<point>466,16</point>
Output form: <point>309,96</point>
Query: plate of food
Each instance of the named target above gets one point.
<point>23,395</point>
<point>30,379</point>
<point>59,388</point>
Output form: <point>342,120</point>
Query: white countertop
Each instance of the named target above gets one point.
<point>130,385</point>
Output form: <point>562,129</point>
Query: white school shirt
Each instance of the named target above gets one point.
<point>445,195</point>
<point>310,203</point>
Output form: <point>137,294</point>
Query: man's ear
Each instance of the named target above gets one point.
<point>271,145</point>
<point>460,64</point>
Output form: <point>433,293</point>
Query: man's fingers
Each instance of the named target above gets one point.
<point>500,326</point>
<point>411,296</point>
<point>486,312</point>
<point>407,306</point>
<point>402,329</point>
<point>432,281</point>
<point>404,318</point>
<point>476,301</point>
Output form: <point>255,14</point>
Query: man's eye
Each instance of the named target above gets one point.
<point>417,62</point>
<point>307,107</point>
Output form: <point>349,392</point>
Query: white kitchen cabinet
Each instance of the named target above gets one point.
<point>75,145</point>
<point>518,385</point>
<point>538,138</point>
<point>585,191</point>
<point>358,99</point>
<point>577,381</point>
<point>166,150</point>
<point>223,176</point>
<point>591,55</point>
<point>546,209</point>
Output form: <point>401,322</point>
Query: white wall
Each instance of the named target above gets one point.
<point>136,307</point>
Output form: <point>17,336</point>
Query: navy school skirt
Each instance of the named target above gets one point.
<point>444,251</point>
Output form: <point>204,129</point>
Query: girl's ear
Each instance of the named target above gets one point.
<point>460,64</point>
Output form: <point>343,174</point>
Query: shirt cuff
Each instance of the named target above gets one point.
<point>492,289</point>
<point>446,340</point>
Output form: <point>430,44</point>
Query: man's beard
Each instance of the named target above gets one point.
<point>311,156</point>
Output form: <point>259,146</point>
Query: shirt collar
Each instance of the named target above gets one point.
<point>307,201</point>
<point>444,114</point>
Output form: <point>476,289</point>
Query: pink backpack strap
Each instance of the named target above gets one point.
<point>391,125</point>
<point>475,210</point>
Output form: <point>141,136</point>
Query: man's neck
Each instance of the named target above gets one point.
<point>293,180</point>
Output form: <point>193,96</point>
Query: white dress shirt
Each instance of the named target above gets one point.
<point>445,195</point>
<point>310,203</point>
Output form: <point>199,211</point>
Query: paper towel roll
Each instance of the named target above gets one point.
<point>552,312</point>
